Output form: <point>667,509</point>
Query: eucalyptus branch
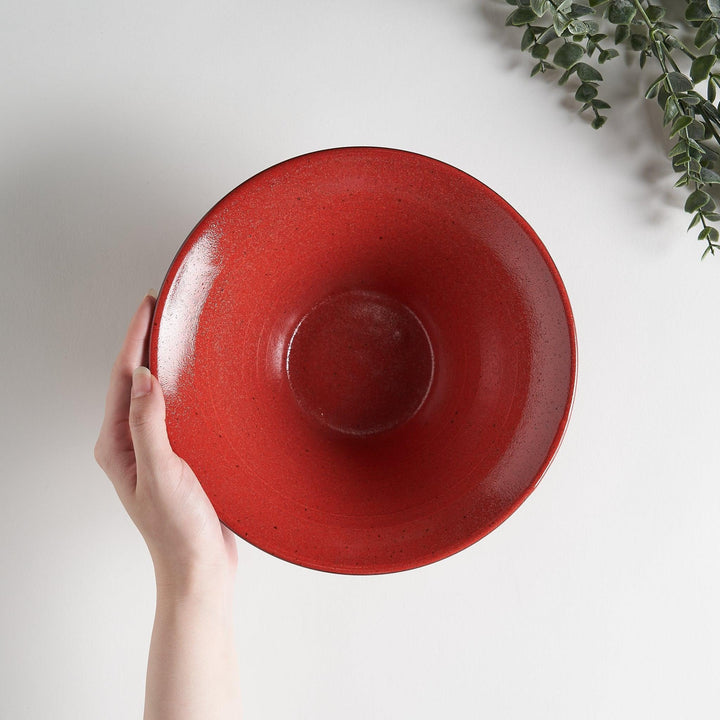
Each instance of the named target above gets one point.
<point>687,99</point>
<point>679,101</point>
<point>571,38</point>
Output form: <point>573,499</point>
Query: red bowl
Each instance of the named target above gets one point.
<point>368,358</point>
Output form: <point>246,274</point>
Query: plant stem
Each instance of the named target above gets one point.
<point>652,29</point>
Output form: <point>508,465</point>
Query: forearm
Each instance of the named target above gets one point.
<point>193,671</point>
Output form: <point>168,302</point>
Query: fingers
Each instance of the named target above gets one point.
<point>133,353</point>
<point>114,442</point>
<point>147,423</point>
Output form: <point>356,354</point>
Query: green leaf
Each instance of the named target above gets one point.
<point>711,91</point>
<point>671,110</point>
<point>680,148</point>
<point>568,54</point>
<point>655,12</point>
<point>586,92</point>
<point>696,130</point>
<point>560,23</point>
<point>701,67</point>
<point>528,39</point>
<point>695,155</point>
<point>540,51</point>
<point>681,122</point>
<point>539,7</point>
<point>548,36</point>
<point>606,55</point>
<point>566,76</point>
<point>579,28</point>
<point>581,10</point>
<point>679,83</point>
<point>709,109</point>
<point>708,153</point>
<point>587,73</point>
<point>696,201</point>
<point>714,7</point>
<point>704,33</point>
<point>638,42</point>
<point>691,100</point>
<point>521,16</point>
<point>600,104</point>
<point>598,122</point>
<point>697,12</point>
<point>652,91</point>
<point>622,32</point>
<point>694,221</point>
<point>621,12</point>
<point>709,177</point>
<point>538,67</point>
<point>704,233</point>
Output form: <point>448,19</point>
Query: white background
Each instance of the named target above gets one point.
<point>122,124</point>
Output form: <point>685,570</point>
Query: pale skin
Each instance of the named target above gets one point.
<point>193,670</point>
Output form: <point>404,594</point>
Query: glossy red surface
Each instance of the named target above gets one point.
<point>368,359</point>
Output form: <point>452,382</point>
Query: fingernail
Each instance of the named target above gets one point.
<point>141,382</point>
<point>152,293</point>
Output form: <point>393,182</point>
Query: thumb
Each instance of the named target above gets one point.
<point>147,420</point>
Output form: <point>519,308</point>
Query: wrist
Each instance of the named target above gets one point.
<point>206,584</point>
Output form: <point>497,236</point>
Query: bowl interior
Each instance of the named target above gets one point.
<point>368,359</point>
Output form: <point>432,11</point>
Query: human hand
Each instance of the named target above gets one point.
<point>159,490</point>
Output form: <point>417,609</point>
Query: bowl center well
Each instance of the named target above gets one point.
<point>360,362</point>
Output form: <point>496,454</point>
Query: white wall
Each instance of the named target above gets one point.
<point>122,123</point>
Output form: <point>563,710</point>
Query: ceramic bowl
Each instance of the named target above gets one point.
<point>368,359</point>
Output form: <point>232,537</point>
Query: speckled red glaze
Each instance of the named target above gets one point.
<point>466,324</point>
